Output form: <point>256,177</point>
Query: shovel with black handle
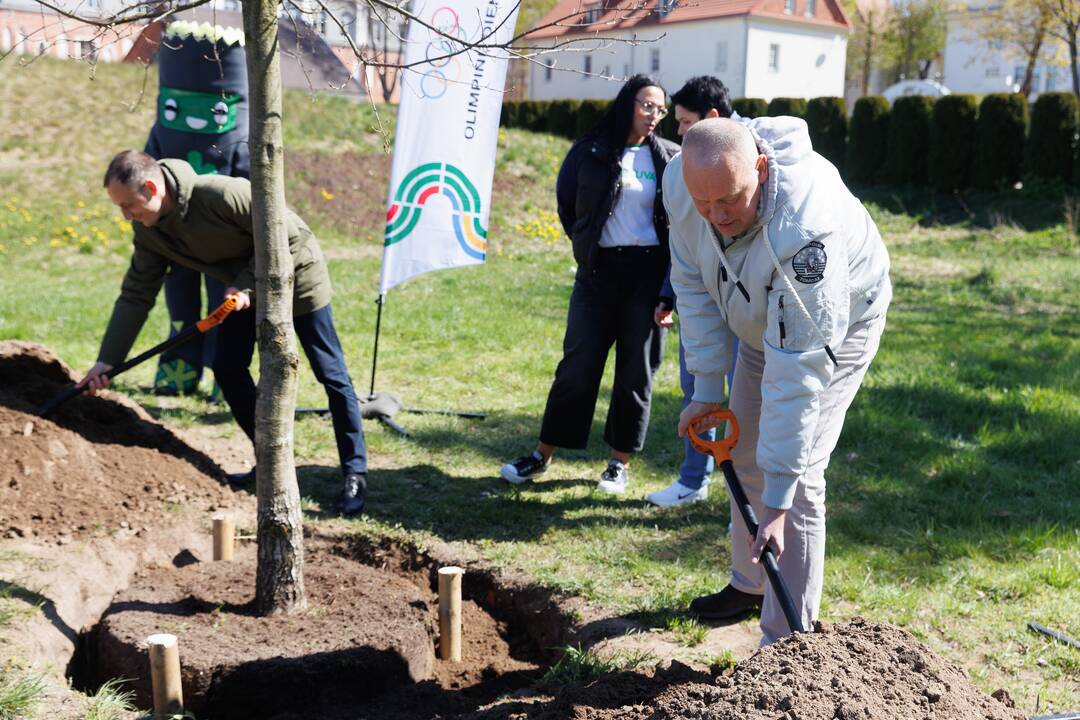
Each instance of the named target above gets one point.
<point>210,321</point>
<point>720,449</point>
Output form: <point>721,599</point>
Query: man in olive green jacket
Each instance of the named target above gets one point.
<point>204,222</point>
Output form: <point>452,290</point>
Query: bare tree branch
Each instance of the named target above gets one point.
<point>122,17</point>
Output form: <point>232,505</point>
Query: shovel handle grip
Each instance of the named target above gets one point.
<point>721,447</point>
<point>218,316</point>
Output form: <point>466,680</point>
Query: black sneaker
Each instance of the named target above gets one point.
<point>524,468</point>
<point>727,604</point>
<point>354,494</point>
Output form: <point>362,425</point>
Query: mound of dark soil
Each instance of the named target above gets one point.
<point>98,466</point>
<point>365,632</point>
<point>854,671</point>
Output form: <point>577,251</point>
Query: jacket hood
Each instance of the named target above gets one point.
<point>785,142</point>
<point>181,177</point>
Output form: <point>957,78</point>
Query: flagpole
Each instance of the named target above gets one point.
<point>375,353</point>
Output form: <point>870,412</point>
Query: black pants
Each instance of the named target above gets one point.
<point>613,305</point>
<point>318,338</point>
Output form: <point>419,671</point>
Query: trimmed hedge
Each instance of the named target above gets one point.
<point>827,119</point>
<point>999,141</point>
<point>669,126</point>
<point>750,107</point>
<point>562,118</point>
<point>1052,138</point>
<point>589,114</point>
<point>795,107</point>
<point>952,142</point>
<point>867,140</point>
<point>909,141</point>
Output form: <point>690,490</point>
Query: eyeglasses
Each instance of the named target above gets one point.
<point>652,108</point>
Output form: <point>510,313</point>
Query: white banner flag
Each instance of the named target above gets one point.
<point>447,130</point>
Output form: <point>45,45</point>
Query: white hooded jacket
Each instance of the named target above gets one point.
<point>835,272</point>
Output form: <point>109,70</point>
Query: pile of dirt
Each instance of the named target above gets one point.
<point>97,467</point>
<point>854,671</point>
<point>365,632</point>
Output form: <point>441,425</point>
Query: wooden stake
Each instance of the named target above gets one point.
<point>450,613</point>
<point>224,537</point>
<point>165,675</point>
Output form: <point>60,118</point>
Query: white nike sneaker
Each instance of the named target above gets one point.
<point>678,494</point>
<point>614,479</point>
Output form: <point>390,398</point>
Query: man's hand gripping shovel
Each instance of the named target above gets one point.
<point>212,320</point>
<point>720,449</point>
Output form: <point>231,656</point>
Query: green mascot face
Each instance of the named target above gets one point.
<point>196,112</point>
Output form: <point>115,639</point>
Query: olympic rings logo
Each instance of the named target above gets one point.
<point>441,53</point>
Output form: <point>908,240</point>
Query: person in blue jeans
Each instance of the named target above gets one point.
<point>701,97</point>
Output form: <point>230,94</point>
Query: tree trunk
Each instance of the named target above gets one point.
<point>1072,60</point>
<point>868,53</point>
<point>1033,58</point>
<point>279,580</point>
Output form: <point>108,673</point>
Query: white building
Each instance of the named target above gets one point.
<point>759,48</point>
<point>977,66</point>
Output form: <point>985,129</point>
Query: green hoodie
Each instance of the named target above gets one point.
<point>209,230</point>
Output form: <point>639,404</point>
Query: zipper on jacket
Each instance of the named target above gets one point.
<point>780,317</point>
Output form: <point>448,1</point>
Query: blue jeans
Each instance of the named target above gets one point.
<point>318,338</point>
<point>696,467</point>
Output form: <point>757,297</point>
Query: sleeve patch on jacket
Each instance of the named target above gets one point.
<point>809,263</point>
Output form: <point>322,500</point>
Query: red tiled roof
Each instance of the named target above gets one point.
<point>568,16</point>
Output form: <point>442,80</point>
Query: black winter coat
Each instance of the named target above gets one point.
<point>589,185</point>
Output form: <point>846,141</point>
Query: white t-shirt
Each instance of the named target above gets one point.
<point>631,221</point>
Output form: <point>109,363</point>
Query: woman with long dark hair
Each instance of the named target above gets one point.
<point>610,205</point>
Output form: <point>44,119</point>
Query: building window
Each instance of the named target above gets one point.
<point>654,60</point>
<point>87,51</point>
<point>592,13</point>
<point>324,22</point>
<point>91,5</point>
<point>721,57</point>
<point>789,7</point>
<point>588,66</point>
<point>548,71</point>
<point>1018,76</point>
<point>348,21</point>
<point>993,71</point>
<point>666,6</point>
<point>231,6</point>
<point>774,58</point>
<point>811,8</point>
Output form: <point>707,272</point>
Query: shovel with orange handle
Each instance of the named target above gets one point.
<point>721,452</point>
<point>212,320</point>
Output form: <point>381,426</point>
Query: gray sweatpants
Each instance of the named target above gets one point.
<point>803,562</point>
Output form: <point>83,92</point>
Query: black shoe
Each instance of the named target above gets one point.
<point>354,494</point>
<point>239,480</point>
<point>524,468</point>
<point>727,604</point>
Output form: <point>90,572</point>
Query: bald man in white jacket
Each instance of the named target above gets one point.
<point>769,245</point>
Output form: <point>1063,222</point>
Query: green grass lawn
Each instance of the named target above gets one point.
<point>953,494</point>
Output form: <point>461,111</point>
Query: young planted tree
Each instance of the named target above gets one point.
<point>279,579</point>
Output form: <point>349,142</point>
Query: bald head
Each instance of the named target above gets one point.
<point>719,141</point>
<point>724,170</point>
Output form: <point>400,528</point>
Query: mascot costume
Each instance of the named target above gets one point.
<point>202,118</point>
